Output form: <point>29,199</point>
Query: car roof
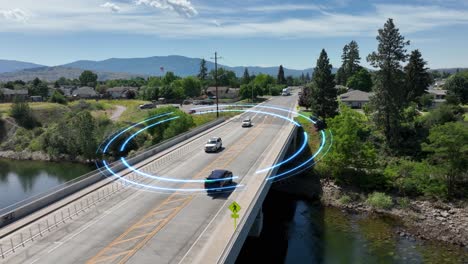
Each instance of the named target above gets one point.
<point>217,174</point>
<point>214,138</point>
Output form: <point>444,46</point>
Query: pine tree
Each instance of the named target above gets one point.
<point>281,79</point>
<point>203,70</point>
<point>389,99</point>
<point>350,63</point>
<point>417,76</point>
<point>323,90</point>
<point>307,78</point>
<point>305,99</point>
<point>246,77</point>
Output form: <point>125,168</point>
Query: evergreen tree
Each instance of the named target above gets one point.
<point>389,99</point>
<point>302,78</point>
<point>203,70</point>
<point>323,90</point>
<point>281,79</point>
<point>350,63</point>
<point>417,76</point>
<point>246,76</point>
<point>305,99</point>
<point>307,78</point>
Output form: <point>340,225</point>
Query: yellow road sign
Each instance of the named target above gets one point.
<point>234,207</point>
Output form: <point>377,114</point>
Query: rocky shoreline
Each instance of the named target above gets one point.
<point>39,156</point>
<point>421,219</point>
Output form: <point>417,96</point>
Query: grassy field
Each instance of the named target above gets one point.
<point>44,112</point>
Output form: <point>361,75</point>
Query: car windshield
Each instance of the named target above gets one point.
<point>247,120</point>
<point>212,141</point>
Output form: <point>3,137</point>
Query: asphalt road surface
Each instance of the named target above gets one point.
<point>140,226</point>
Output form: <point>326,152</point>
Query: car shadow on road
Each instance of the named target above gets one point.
<point>224,195</point>
<point>221,149</point>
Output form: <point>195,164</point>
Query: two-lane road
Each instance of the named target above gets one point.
<point>141,226</point>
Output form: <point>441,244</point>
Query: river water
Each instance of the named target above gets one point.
<point>20,180</point>
<point>298,231</point>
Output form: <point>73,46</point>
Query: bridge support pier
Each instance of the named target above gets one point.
<point>257,226</point>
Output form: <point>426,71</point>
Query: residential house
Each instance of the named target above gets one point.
<point>85,92</point>
<point>120,92</point>
<point>438,96</point>
<point>355,99</point>
<point>223,92</point>
<point>9,95</point>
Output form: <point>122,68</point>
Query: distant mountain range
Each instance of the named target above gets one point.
<point>12,65</point>
<point>116,68</point>
<point>51,74</point>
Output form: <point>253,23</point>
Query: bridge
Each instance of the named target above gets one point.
<point>113,222</point>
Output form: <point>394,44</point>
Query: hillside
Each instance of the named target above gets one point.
<point>54,73</point>
<point>180,65</point>
<point>12,65</point>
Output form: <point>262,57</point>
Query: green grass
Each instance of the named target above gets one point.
<point>345,199</point>
<point>44,112</point>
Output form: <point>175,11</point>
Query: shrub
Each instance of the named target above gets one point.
<point>403,202</point>
<point>57,97</point>
<point>22,113</point>
<point>345,199</point>
<point>379,200</point>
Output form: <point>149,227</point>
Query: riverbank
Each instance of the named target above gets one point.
<point>39,156</point>
<point>437,221</point>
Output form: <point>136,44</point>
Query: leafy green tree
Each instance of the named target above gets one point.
<point>281,79</point>
<point>23,115</point>
<point>149,93</point>
<point>444,113</point>
<point>351,148</point>
<point>84,128</point>
<point>247,91</point>
<point>418,78</point>
<point>57,97</point>
<point>290,81</point>
<point>169,78</point>
<point>389,99</point>
<point>361,80</point>
<point>225,78</point>
<point>448,145</point>
<point>324,94</point>
<point>457,86</point>
<point>203,73</point>
<point>246,77</point>
<point>88,78</point>
<point>191,86</point>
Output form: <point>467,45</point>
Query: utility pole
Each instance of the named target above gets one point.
<point>216,82</point>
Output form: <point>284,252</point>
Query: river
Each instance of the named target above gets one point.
<point>20,180</point>
<point>299,231</point>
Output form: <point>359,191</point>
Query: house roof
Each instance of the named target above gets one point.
<point>121,89</point>
<point>85,90</point>
<point>437,92</point>
<point>355,95</point>
<point>221,89</point>
<point>6,91</point>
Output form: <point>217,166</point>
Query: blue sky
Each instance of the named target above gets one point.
<point>244,32</point>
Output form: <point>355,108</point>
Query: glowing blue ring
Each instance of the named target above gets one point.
<point>132,126</point>
<point>305,162</point>
<point>168,189</point>
<point>143,129</point>
<point>124,161</point>
<point>312,164</point>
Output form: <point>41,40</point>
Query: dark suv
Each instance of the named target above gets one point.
<point>218,179</point>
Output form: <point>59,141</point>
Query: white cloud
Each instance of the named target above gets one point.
<point>16,14</point>
<point>182,7</point>
<point>113,7</point>
<point>216,23</point>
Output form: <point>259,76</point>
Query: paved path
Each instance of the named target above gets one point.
<point>118,111</point>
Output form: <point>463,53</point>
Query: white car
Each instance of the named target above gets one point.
<point>214,144</point>
<point>246,122</point>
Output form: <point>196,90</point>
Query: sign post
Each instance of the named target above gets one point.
<point>235,208</point>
